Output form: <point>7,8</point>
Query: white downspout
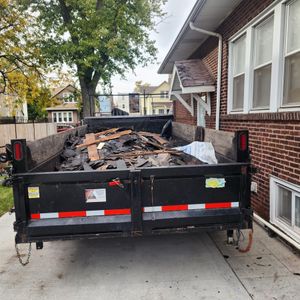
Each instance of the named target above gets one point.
<point>219,72</point>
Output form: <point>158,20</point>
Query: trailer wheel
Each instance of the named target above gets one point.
<point>7,182</point>
<point>3,158</point>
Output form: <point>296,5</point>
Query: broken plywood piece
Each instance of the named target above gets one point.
<point>142,153</point>
<point>104,139</point>
<point>155,136</point>
<point>104,132</point>
<point>92,149</point>
<point>152,143</point>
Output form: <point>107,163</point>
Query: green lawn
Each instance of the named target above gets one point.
<point>6,199</point>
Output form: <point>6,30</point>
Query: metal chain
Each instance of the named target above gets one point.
<point>26,262</point>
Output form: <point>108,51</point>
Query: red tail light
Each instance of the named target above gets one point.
<point>243,142</point>
<point>18,152</point>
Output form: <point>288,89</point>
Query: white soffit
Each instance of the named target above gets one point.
<point>206,14</point>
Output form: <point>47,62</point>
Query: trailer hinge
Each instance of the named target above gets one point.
<point>152,194</point>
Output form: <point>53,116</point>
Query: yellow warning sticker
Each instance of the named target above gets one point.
<point>215,183</point>
<point>33,192</point>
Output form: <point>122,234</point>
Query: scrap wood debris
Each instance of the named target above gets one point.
<point>119,148</point>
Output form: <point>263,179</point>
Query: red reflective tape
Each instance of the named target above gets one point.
<point>70,214</point>
<point>218,205</point>
<point>18,152</point>
<point>175,207</point>
<point>122,211</point>
<point>243,142</point>
<point>114,183</point>
<point>35,216</point>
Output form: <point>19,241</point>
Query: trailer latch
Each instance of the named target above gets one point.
<point>116,182</point>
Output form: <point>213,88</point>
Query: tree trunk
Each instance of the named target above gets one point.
<point>88,97</point>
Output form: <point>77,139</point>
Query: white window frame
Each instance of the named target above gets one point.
<point>279,10</point>
<point>275,183</point>
<point>56,113</point>
<point>234,110</point>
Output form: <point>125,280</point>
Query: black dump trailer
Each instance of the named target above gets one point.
<point>52,205</point>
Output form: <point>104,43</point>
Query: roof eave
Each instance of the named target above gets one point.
<point>197,7</point>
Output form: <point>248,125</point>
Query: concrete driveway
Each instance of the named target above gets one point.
<point>187,266</point>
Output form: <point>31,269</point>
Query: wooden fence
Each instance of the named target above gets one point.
<point>28,131</point>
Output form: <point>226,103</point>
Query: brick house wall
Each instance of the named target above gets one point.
<point>274,137</point>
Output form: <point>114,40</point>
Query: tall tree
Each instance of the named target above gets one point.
<point>20,59</point>
<point>98,38</point>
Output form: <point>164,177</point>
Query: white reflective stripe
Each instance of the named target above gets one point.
<point>49,215</point>
<point>148,209</point>
<point>152,208</point>
<point>90,213</point>
<point>196,206</point>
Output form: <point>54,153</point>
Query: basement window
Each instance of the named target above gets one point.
<point>285,206</point>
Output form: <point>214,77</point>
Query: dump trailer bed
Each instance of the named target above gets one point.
<point>53,205</point>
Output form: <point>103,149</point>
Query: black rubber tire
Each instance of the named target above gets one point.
<point>7,182</point>
<point>3,158</point>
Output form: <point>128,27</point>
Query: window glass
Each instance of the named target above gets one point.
<point>54,117</point>
<point>161,111</point>
<point>264,42</point>
<point>70,116</point>
<point>238,92</point>
<point>59,117</point>
<point>293,35</point>
<point>291,93</point>
<point>263,47</point>
<point>262,87</point>
<point>238,55</point>
<point>285,205</point>
<point>65,117</point>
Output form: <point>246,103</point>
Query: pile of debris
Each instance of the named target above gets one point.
<point>119,148</point>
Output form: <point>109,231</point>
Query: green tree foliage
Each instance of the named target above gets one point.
<point>20,59</point>
<point>98,38</point>
<point>37,108</point>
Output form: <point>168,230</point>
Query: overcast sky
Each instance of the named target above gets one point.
<point>178,11</point>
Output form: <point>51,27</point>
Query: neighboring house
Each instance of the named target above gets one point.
<point>156,100</point>
<point>67,111</point>
<point>259,91</point>
<point>104,106</point>
<point>121,101</point>
<point>10,106</point>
